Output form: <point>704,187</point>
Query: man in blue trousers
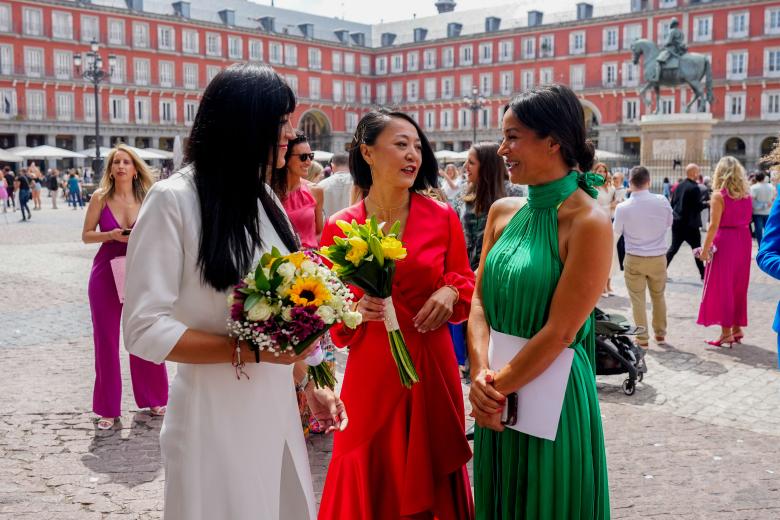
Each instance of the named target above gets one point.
<point>768,258</point>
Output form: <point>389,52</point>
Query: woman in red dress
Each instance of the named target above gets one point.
<point>404,454</point>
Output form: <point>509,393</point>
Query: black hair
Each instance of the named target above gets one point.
<point>491,180</point>
<point>638,176</point>
<point>666,179</point>
<point>367,131</point>
<point>555,111</point>
<point>233,144</point>
<point>760,176</point>
<point>340,159</point>
<point>279,176</point>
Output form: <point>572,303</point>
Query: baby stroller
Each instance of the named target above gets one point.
<point>615,352</point>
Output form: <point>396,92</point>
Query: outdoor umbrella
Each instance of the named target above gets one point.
<point>16,149</point>
<point>5,156</point>
<point>449,155</point>
<point>322,156</point>
<point>50,152</point>
<point>164,154</point>
<point>90,152</point>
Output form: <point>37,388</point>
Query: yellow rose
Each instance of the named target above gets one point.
<point>393,249</point>
<point>357,250</point>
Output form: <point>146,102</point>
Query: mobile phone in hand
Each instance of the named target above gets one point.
<point>509,413</point>
<point>125,232</point>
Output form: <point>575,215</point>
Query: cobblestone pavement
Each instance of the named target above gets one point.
<point>699,439</point>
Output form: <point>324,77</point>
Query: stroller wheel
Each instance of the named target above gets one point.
<point>640,376</point>
<point>629,387</point>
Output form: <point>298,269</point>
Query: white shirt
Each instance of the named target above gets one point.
<point>336,190</point>
<point>644,219</point>
<point>763,194</point>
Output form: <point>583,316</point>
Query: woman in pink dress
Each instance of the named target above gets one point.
<point>726,251</point>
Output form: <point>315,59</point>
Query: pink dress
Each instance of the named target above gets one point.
<point>726,278</point>
<point>300,206</point>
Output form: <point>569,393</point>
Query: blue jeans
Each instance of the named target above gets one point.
<point>759,221</point>
<point>24,198</point>
<point>73,197</point>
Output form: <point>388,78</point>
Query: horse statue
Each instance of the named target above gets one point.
<point>692,68</point>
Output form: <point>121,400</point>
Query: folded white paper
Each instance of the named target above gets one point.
<point>539,402</point>
<point>118,268</point>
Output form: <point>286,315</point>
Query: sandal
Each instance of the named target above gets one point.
<point>158,411</point>
<point>105,423</point>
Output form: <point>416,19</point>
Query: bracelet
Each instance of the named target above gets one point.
<point>457,292</point>
<point>237,363</point>
<point>299,387</point>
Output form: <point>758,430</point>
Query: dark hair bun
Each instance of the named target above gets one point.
<point>586,155</point>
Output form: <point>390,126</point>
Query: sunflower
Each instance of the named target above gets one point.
<point>308,291</point>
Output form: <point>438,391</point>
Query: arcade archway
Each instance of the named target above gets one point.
<point>317,128</point>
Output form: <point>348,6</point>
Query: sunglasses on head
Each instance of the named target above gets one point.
<point>304,156</point>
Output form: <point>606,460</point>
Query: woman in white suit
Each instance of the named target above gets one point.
<point>232,448</point>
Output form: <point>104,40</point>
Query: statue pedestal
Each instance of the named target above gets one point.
<point>671,141</point>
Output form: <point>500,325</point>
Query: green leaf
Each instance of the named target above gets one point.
<point>275,252</point>
<point>339,241</point>
<point>396,228</point>
<point>265,259</point>
<point>260,279</point>
<point>376,249</point>
<point>251,301</point>
<point>246,290</point>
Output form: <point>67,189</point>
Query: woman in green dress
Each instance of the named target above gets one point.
<point>544,266</point>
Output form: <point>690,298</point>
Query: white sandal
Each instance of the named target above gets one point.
<point>158,411</point>
<point>106,423</point>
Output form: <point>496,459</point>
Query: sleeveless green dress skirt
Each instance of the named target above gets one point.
<point>518,476</point>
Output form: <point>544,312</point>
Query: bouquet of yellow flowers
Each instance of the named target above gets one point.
<point>366,258</point>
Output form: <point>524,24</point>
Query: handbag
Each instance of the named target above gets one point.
<point>118,269</point>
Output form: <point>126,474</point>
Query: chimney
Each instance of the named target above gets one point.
<point>228,16</point>
<point>307,30</point>
<point>359,39</point>
<point>535,18</point>
<point>387,39</point>
<point>420,33</point>
<point>267,23</point>
<point>584,11</point>
<point>181,9</point>
<point>135,5</point>
<point>342,35</point>
<point>453,29</point>
<point>445,6</point>
<point>492,24</point>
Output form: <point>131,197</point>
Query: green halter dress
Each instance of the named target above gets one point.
<point>518,476</point>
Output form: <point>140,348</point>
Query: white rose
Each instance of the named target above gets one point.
<point>352,319</point>
<point>260,311</point>
<point>308,267</point>
<point>287,270</point>
<point>327,314</point>
<point>287,314</point>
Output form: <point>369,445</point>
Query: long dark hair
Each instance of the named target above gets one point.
<point>279,176</point>
<point>491,180</point>
<point>233,143</point>
<point>367,131</point>
<point>554,111</point>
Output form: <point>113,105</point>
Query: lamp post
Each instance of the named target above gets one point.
<point>95,74</point>
<point>474,102</point>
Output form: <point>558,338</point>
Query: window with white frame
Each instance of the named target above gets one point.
<point>486,84</point>
<point>166,73</point>
<point>33,62</point>
<point>8,107</point>
<point>486,52</point>
<point>397,63</point>
<point>448,57</point>
<point>430,89</point>
<point>445,117</point>
<point>466,55</point>
<point>190,75</point>
<point>631,33</point>
<point>90,28</point>
<point>349,63</point>
<point>350,94</point>
<point>412,61</point>
<point>577,77</point>
<point>448,87</point>
<point>365,93</point>
<point>291,55</point>
<point>506,50</point>
<point>63,64</point>
<point>118,109</point>
<point>211,72</point>
<point>772,20</point>
<point>484,118</point>
<point>337,59</point>
<point>665,4</point>
<point>380,65</point>
<point>429,59</point>
<point>397,92</point>
<point>415,115</point>
<point>61,25</point>
<point>315,88</point>
<point>5,18</point>
<point>190,43</point>
<point>529,48</point>
<point>166,38</point>
<point>88,102</point>
<point>546,76</point>
<point>190,111</point>
<point>702,28</point>
<point>255,50</point>
<point>770,106</point>
<point>739,24</point>
<point>662,33</point>
<point>412,91</point>
<point>630,74</point>
<point>430,120</point>
<point>547,46</point>
<point>116,32</point>
<point>466,82</point>
<point>735,107</point>
<point>577,42</point>
<point>464,118</point>
<point>64,106</point>
<point>527,79</point>
<point>6,59</point>
<point>292,81</point>
<point>36,104</point>
<point>315,58</point>
<point>140,34</point>
<point>141,71</point>
<point>736,63</point>
<point>213,44</point>
<point>667,105</point>
<point>630,110</point>
<point>609,74</point>
<point>772,62</point>
<point>338,90</point>
<point>381,94</point>
<point>167,111</point>
<point>507,82</point>
<point>350,121</point>
<point>235,48</point>
<point>119,72</point>
<point>275,53</point>
<point>609,39</point>
<point>33,21</point>
<point>365,65</point>
<point>143,110</point>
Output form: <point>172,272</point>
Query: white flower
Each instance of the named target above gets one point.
<point>352,319</point>
<point>308,267</point>
<point>260,311</point>
<point>287,270</point>
<point>287,314</point>
<point>327,314</point>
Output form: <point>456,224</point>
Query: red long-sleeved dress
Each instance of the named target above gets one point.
<point>404,452</point>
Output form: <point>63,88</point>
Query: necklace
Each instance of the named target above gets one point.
<point>387,212</point>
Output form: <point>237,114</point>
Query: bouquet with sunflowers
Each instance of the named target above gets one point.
<point>366,257</point>
<point>286,303</point>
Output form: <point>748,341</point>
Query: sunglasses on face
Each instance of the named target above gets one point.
<point>304,156</point>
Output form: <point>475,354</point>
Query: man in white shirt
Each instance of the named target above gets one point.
<point>763,195</point>
<point>337,189</point>
<point>644,220</point>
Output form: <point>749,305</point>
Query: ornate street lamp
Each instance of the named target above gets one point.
<point>95,74</point>
<point>475,102</point>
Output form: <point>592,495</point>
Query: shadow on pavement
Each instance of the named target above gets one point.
<point>681,361</point>
<point>127,456</point>
<point>748,354</point>
<point>611,391</point>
